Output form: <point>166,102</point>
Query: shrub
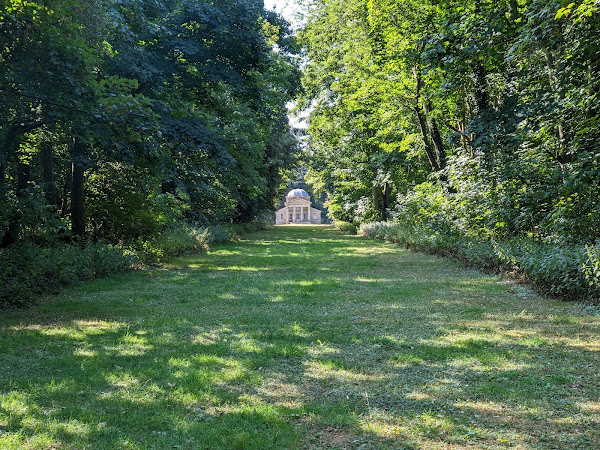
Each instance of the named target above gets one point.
<point>178,241</point>
<point>218,234</point>
<point>237,229</point>
<point>591,268</point>
<point>345,227</point>
<point>27,271</point>
<point>570,271</point>
<point>125,203</point>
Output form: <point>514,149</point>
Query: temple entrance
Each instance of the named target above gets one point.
<point>298,209</point>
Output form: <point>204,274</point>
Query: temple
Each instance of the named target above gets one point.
<point>297,209</point>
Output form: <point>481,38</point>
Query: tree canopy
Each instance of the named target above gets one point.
<point>495,105</point>
<point>117,116</point>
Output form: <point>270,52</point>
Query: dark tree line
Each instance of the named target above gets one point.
<point>119,118</point>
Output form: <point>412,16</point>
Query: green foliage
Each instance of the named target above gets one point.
<point>356,156</point>
<point>345,227</point>
<point>139,124</point>
<point>174,242</point>
<point>479,118</point>
<point>126,203</point>
<point>28,271</point>
<point>169,102</point>
<point>591,267</point>
<point>236,230</point>
<point>564,271</point>
<point>218,234</point>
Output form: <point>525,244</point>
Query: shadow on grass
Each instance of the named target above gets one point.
<point>220,389</point>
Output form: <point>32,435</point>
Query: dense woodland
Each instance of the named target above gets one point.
<point>471,127</point>
<point>125,122</point>
<point>132,130</point>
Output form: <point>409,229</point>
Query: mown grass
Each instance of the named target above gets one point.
<point>299,337</point>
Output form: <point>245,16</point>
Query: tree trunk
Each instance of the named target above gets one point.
<point>2,175</point>
<point>23,174</point>
<point>11,234</point>
<point>64,196</point>
<point>513,9</point>
<point>481,96</point>
<point>376,204</point>
<point>437,139</point>
<point>428,150</point>
<point>7,150</point>
<point>422,122</point>
<point>479,74</point>
<point>554,86</point>
<point>23,171</point>
<point>77,189</point>
<point>593,86</point>
<point>387,192</point>
<point>77,201</point>
<point>47,173</point>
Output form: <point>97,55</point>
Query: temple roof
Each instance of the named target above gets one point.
<point>298,193</point>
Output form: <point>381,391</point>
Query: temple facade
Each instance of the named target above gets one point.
<point>297,209</point>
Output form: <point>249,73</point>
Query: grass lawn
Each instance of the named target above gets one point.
<point>299,337</point>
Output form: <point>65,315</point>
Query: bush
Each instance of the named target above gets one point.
<point>569,271</point>
<point>591,267</point>
<point>345,227</point>
<point>238,229</point>
<point>125,203</point>
<point>218,234</point>
<point>27,271</point>
<point>183,240</point>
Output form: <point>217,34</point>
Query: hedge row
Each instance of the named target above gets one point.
<point>568,271</point>
<point>28,271</point>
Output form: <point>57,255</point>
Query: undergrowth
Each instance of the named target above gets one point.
<point>568,271</point>
<point>28,271</point>
<point>346,227</point>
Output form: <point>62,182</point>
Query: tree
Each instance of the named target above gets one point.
<point>189,96</point>
<point>501,98</point>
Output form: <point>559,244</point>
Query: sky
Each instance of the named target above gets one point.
<point>285,7</point>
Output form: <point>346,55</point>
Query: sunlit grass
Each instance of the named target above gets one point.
<point>300,337</point>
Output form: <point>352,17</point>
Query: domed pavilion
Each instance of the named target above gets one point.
<point>297,209</point>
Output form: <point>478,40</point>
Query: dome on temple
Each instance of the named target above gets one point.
<point>298,209</point>
<point>298,193</point>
